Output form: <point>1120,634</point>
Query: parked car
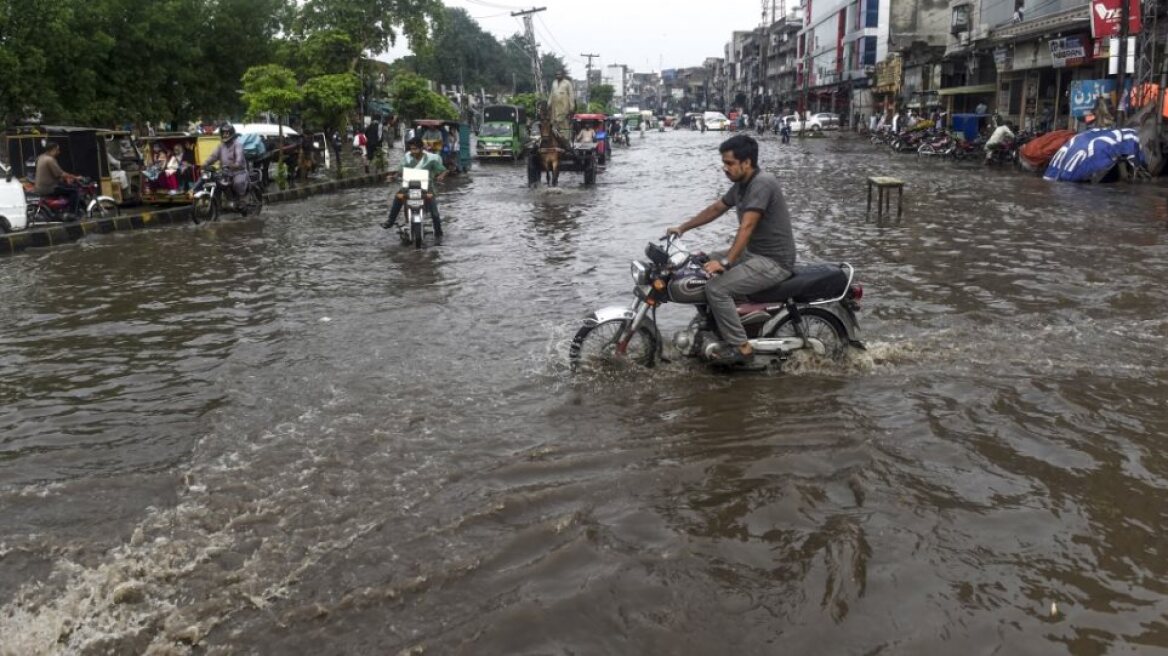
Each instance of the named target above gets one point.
<point>796,124</point>
<point>827,120</point>
<point>716,121</point>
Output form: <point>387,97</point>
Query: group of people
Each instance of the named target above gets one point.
<point>169,168</point>
<point>172,169</point>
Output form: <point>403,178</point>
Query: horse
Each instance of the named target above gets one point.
<point>549,153</point>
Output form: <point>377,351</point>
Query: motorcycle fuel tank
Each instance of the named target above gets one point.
<point>688,289</point>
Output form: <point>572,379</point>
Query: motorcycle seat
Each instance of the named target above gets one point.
<point>809,282</point>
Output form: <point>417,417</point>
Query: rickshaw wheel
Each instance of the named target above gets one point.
<point>5,226</point>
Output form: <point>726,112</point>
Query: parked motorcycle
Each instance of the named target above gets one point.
<point>416,197</point>
<point>214,194</point>
<point>813,310</point>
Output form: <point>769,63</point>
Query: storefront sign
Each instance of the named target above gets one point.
<point>1084,93</point>
<point>1069,51</point>
<point>1105,16</point>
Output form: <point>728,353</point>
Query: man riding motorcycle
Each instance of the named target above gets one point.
<point>762,254</point>
<point>53,181</point>
<point>229,154</point>
<point>417,158</point>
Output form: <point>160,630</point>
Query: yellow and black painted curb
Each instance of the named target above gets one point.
<point>51,235</point>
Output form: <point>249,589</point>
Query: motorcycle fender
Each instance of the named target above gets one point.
<point>94,203</point>
<point>610,313</point>
<point>202,194</point>
<point>846,317</point>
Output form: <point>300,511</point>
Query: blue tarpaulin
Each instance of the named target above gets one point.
<point>1091,154</point>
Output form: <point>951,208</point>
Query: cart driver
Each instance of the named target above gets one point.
<point>587,134</point>
<point>229,154</point>
<point>52,180</point>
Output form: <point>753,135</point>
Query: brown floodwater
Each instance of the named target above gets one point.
<point>292,435</point>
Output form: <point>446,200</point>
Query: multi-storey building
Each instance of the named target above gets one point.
<point>781,59</point>
<point>842,40</point>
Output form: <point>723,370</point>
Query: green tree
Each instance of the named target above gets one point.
<point>464,54</point>
<point>327,52</point>
<point>529,102</point>
<point>413,99</point>
<point>327,101</point>
<point>602,94</point>
<point>272,89</point>
<point>329,98</point>
<point>373,25</point>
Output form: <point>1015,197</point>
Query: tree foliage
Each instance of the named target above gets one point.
<point>602,94</point>
<point>270,89</point>
<point>412,99</point>
<point>328,98</point>
<point>111,62</point>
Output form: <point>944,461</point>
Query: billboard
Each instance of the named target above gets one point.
<point>1105,15</point>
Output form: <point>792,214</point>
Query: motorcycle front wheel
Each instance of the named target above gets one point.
<point>819,325</point>
<point>416,234</point>
<point>104,209</point>
<point>204,209</point>
<point>597,345</point>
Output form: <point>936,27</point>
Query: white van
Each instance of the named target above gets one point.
<point>13,214</point>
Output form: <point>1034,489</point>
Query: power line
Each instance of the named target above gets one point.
<point>492,5</point>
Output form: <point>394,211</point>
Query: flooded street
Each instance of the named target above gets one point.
<point>292,435</point>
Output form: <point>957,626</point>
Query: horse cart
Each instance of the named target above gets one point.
<point>553,152</point>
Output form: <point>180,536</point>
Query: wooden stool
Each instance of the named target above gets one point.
<point>882,201</point>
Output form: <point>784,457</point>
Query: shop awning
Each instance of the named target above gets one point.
<point>965,91</point>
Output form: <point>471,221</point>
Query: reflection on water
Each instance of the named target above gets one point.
<point>272,435</point>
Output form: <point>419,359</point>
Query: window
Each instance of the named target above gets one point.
<point>872,13</point>
<point>959,22</point>
<point>868,58</point>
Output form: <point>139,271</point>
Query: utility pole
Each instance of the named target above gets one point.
<point>537,73</point>
<point>1124,17</point>
<point>587,76</point>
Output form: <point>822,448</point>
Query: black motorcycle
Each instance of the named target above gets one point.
<point>813,310</point>
<point>214,193</point>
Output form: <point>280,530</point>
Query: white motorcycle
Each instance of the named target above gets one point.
<point>416,196</point>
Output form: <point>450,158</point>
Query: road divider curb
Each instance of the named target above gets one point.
<point>52,235</point>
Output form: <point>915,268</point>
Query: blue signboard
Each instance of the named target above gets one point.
<point>1084,93</point>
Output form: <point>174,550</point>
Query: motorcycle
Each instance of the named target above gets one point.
<point>416,196</point>
<point>55,209</point>
<point>814,310</point>
<point>214,193</point>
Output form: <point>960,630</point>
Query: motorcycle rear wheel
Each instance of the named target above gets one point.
<point>821,325</point>
<point>255,201</point>
<point>595,346</point>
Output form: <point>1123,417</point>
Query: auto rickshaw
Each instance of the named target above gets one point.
<point>83,152</point>
<point>162,188</point>
<point>597,122</point>
<point>448,139</point>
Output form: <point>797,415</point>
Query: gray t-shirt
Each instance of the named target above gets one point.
<point>772,236</point>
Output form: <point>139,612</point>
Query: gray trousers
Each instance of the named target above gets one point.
<point>750,274</point>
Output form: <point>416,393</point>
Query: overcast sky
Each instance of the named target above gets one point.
<point>647,35</point>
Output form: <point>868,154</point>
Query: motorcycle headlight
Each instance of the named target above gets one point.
<point>639,272</point>
<point>415,194</point>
